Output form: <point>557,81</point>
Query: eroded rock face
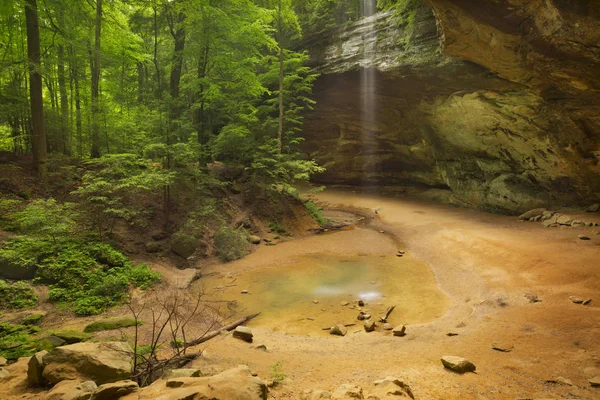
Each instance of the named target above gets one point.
<point>497,102</point>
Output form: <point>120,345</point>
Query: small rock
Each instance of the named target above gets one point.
<point>458,364</point>
<point>387,327</point>
<point>35,367</point>
<point>560,380</point>
<point>111,391</point>
<point>347,391</point>
<point>532,298</point>
<point>536,212</point>
<point>505,348</point>
<point>451,334</point>
<point>72,390</point>
<point>579,300</point>
<point>182,373</point>
<point>174,383</point>
<point>583,237</point>
<point>344,303</point>
<point>361,303</point>
<point>160,236</point>
<point>381,231</point>
<point>593,208</point>
<point>595,382</point>
<point>155,247</point>
<point>564,220</point>
<point>4,373</point>
<point>261,347</point>
<point>390,387</point>
<point>244,333</point>
<point>315,394</point>
<point>316,301</point>
<point>3,361</point>
<point>339,330</point>
<point>369,326</point>
<point>399,330</point>
<point>254,239</point>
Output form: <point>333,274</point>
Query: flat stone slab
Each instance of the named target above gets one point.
<point>244,333</point>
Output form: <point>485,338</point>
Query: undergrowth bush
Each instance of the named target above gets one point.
<point>315,211</point>
<point>231,244</point>
<point>16,340</point>
<point>16,295</point>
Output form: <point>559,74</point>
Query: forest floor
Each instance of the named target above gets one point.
<point>484,266</point>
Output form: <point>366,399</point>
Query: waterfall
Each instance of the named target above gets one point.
<point>368,83</point>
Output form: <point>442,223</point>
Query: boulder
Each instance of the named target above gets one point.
<point>101,362</point>
<point>233,384</point>
<point>35,366</point>
<point>72,390</point>
<point>594,382</point>
<point>339,330</point>
<point>254,239</point>
<point>546,215</point>
<point>155,247</point>
<point>244,333</point>
<point>16,272</point>
<point>72,337</point>
<point>3,361</point>
<point>116,390</point>
<point>399,330</point>
<point>536,212</point>
<point>184,245</point>
<point>315,394</point>
<point>458,364</point>
<point>369,325</point>
<point>564,220</point>
<point>348,392</point>
<point>182,373</point>
<point>390,388</point>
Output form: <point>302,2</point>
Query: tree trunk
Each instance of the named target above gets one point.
<point>35,89</point>
<point>281,76</point>
<point>64,103</point>
<point>178,33</point>
<point>95,151</point>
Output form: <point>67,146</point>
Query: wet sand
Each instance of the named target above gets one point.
<point>485,264</point>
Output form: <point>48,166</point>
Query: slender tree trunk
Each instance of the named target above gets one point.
<point>155,59</point>
<point>281,76</point>
<point>178,33</point>
<point>35,89</point>
<point>78,121</point>
<point>64,103</point>
<point>95,150</point>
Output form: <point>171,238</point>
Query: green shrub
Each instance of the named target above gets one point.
<point>91,305</point>
<point>16,340</point>
<point>109,324</point>
<point>143,277</point>
<point>32,319</point>
<point>231,244</point>
<point>16,295</point>
<point>315,211</point>
<point>277,227</point>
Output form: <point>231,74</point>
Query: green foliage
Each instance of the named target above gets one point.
<point>16,295</point>
<point>32,319</point>
<point>110,324</point>
<point>276,372</point>
<point>277,227</point>
<point>16,340</point>
<point>72,336</point>
<point>46,219</point>
<point>315,211</point>
<point>231,244</point>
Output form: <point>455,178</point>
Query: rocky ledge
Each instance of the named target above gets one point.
<point>497,103</point>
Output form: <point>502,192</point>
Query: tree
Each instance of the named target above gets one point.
<point>95,151</point>
<point>35,88</point>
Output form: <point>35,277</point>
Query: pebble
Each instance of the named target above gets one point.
<point>560,380</point>
<point>244,333</point>
<point>361,303</point>
<point>583,237</point>
<point>451,334</point>
<point>387,327</point>
<point>505,348</point>
<point>369,325</point>
<point>316,301</point>
<point>344,303</point>
<point>458,364</point>
<point>579,300</point>
<point>400,330</point>
<point>244,291</point>
<point>339,330</point>
<point>595,382</point>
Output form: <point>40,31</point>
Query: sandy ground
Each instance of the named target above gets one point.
<point>485,264</point>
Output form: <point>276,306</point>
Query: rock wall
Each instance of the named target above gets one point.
<point>496,101</point>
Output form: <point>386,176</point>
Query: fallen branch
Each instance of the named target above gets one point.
<point>331,327</point>
<point>212,334</point>
<point>387,314</point>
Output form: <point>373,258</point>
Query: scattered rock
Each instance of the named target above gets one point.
<point>547,215</point>
<point>503,347</point>
<point>53,341</point>
<point>254,239</point>
<point>72,390</point>
<point>594,382</point>
<point>155,247</point>
<point>369,325</point>
<point>361,303</point>
<point>316,301</point>
<point>261,347</point>
<point>4,373</point>
<point>536,212</point>
<point>174,383</point>
<point>387,327</point>
<point>584,237</point>
<point>35,367</point>
<point>111,391</point>
<point>533,298</point>
<point>72,337</point>
<point>3,361</point>
<point>390,387</point>
<point>100,362</point>
<point>160,236</point>
<point>244,291</point>
<point>451,334</point>
<point>339,330</point>
<point>184,245</point>
<point>347,392</point>
<point>363,316</point>
<point>344,303</point>
<point>593,208</point>
<point>560,380</point>
<point>399,330</point>
<point>564,220</point>
<point>182,373</point>
<point>244,333</point>
<point>458,364</point>
<point>579,300</point>
<point>315,394</point>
